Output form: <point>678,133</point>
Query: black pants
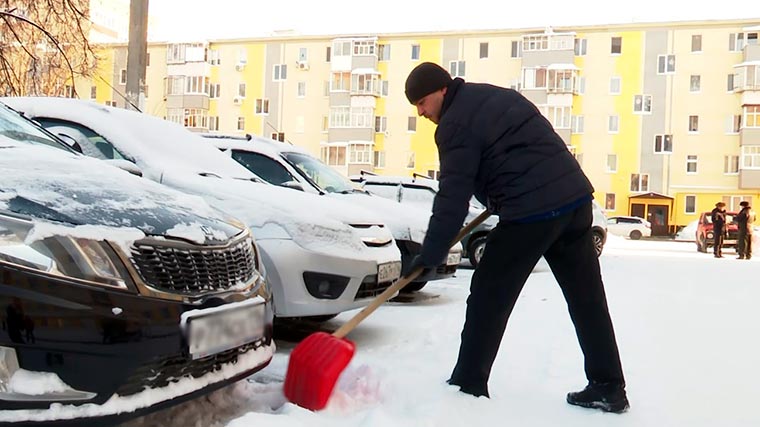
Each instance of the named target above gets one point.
<point>744,243</point>
<point>512,250</point>
<point>718,235</point>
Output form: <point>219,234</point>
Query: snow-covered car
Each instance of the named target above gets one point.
<point>321,257</point>
<point>687,233</point>
<point>420,191</point>
<point>119,295</point>
<point>632,227</point>
<point>294,167</point>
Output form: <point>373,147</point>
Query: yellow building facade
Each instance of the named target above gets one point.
<point>664,118</point>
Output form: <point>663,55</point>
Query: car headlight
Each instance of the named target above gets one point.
<point>67,256</point>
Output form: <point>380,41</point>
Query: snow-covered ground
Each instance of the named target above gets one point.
<point>688,327</point>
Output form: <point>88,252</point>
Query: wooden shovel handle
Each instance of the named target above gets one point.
<point>400,283</point>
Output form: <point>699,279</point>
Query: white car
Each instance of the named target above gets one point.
<point>294,167</point>
<point>420,191</point>
<point>632,227</point>
<point>321,257</point>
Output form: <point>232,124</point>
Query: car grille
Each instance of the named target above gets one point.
<point>161,372</point>
<point>370,288</point>
<point>192,269</point>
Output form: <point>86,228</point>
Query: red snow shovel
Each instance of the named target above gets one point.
<point>318,360</point>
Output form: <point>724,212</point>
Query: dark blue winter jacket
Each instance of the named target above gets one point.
<point>494,143</point>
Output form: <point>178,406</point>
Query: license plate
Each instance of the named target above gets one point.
<point>214,330</point>
<point>454,258</point>
<point>388,272</point>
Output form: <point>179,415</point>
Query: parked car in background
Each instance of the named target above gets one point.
<point>321,257</point>
<point>420,191</point>
<point>632,227</point>
<point>118,295</point>
<point>705,236</point>
<point>688,233</point>
<point>294,167</point>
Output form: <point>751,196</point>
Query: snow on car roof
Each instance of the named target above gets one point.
<point>384,179</point>
<point>247,142</point>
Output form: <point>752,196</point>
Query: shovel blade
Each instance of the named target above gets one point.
<point>314,367</point>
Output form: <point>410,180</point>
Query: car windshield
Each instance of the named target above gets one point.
<point>15,127</point>
<point>323,176</point>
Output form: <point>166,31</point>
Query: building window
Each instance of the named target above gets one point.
<point>262,106</point>
<point>93,92</point>
<point>381,124</point>
<point>456,68</point>
<point>730,165</point>
<point>196,85</point>
<point>303,54</point>
<point>325,123</point>
<point>751,116</point>
<point>577,124</point>
<point>642,104</point>
<point>534,78</point>
<point>535,43</point>
<point>123,76</point>
<point>666,64</point>
<point>580,47</point>
<point>615,85</point>
<point>613,124</point>
<point>334,155</point>
<point>280,72</point>
<point>609,201</point>
<point>411,124</point>
<point>384,52</point>
<point>695,83</point>
<point>663,144</point>
<point>360,153</point>
<point>241,123</point>
<point>558,116</point>
<point>483,50</point>
<point>188,117</point>
<point>214,90</point>
<point>612,163</point>
<point>751,157</point>
<point>328,51</point>
<point>241,89</point>
<point>364,47</point>
<point>730,83</point>
<point>213,123</point>
<point>690,204</point>
<point>733,124</point>
<point>341,48</point>
<point>301,89</point>
<point>735,42</point>
<point>693,124</point>
<point>640,182</point>
<point>277,136</point>
<point>384,87</point>
<point>691,164</point>
<point>516,51</point>
<point>340,82</point>
<point>410,160</point>
<point>616,45</point>
<point>415,52</point>
<point>213,57</point>
<point>379,159</point>
<point>696,43</point>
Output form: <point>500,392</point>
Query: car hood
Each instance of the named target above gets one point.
<point>54,186</point>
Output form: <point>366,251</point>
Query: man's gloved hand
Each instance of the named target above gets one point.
<point>413,265</point>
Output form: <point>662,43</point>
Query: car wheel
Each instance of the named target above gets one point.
<point>476,250</point>
<point>598,243</point>
<point>635,235</point>
<point>413,287</point>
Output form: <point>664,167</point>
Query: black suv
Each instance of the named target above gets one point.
<point>119,296</point>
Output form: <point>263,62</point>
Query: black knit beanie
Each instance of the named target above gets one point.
<point>425,79</point>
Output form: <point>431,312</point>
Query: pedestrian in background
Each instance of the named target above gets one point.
<point>745,219</point>
<point>494,143</point>
<point>718,217</point>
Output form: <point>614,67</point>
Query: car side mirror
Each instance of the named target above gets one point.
<point>295,185</point>
<point>125,165</point>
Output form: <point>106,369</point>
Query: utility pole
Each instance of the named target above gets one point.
<point>137,53</point>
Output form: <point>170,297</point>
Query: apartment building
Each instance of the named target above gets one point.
<point>663,117</point>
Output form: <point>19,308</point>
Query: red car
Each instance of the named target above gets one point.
<point>705,236</point>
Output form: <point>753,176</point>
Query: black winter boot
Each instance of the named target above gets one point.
<point>609,397</point>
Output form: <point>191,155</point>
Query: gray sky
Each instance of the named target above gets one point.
<point>183,19</point>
